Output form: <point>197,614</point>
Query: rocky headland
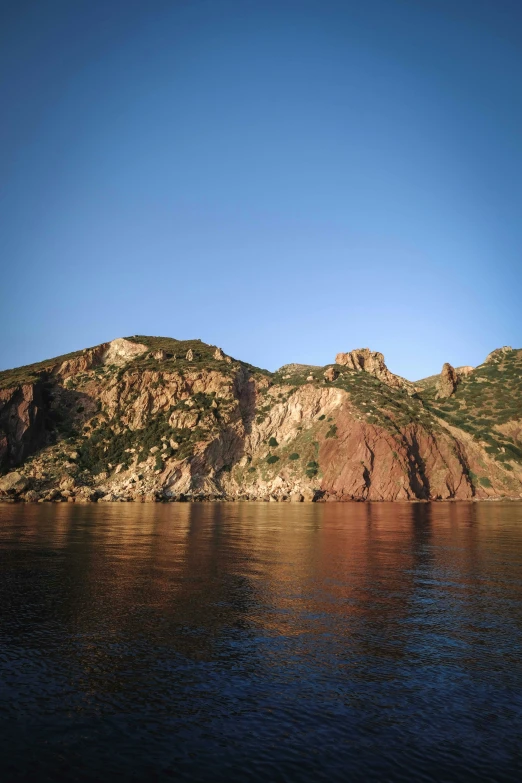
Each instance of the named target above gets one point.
<point>158,419</point>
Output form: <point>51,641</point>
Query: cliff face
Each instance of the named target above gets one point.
<point>158,419</point>
<point>22,422</point>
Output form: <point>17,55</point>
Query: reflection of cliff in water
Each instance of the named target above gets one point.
<point>253,586</point>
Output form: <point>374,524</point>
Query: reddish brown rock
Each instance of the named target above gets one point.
<point>447,382</point>
<point>208,431</point>
<point>366,462</point>
<point>372,362</point>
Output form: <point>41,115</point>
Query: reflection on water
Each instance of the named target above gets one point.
<point>261,642</point>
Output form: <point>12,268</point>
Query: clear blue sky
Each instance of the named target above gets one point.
<point>284,178</point>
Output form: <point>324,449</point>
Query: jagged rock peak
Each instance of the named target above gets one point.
<point>448,381</point>
<point>221,356</point>
<point>372,362</point>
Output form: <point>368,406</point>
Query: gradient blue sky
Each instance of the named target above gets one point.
<point>286,178</point>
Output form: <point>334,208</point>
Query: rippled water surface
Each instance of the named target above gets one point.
<point>267,642</point>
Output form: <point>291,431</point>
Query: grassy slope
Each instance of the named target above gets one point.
<point>31,372</point>
<point>490,396</point>
<point>203,354</point>
<point>377,403</point>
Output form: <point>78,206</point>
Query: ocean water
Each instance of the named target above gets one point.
<point>261,642</point>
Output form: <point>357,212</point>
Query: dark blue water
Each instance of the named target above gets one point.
<point>261,642</point>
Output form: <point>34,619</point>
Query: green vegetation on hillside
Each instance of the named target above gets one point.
<point>203,354</point>
<point>176,356</point>
<point>487,405</point>
<point>377,403</point>
<point>30,373</point>
<point>105,446</point>
<point>489,397</point>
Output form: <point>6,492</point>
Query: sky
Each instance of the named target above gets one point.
<point>284,178</point>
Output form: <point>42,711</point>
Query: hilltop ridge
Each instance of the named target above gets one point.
<point>155,418</point>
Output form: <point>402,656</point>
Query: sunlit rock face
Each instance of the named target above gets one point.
<point>372,362</point>
<point>447,382</point>
<point>147,418</point>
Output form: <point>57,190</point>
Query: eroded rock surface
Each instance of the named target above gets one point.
<point>132,421</point>
<point>447,382</point>
<point>372,362</point>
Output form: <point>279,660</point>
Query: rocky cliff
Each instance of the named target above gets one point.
<point>372,362</point>
<point>146,418</point>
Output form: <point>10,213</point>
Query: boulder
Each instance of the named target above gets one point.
<point>31,497</point>
<point>14,483</point>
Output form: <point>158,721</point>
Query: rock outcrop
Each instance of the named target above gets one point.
<point>447,382</point>
<point>128,421</point>
<point>117,352</point>
<point>372,362</point>
<point>449,378</point>
<point>498,353</point>
<point>121,351</point>
<point>331,374</point>
<point>22,422</point>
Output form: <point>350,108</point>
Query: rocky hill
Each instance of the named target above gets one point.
<point>151,418</point>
